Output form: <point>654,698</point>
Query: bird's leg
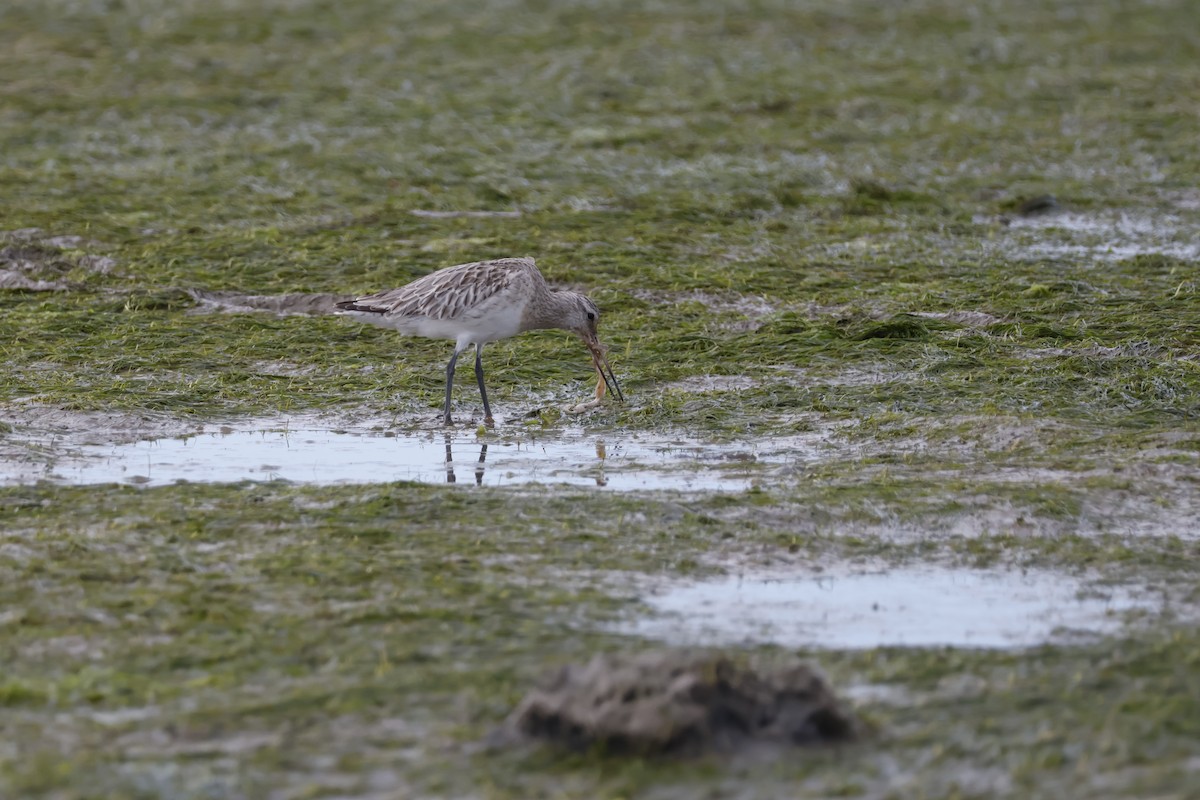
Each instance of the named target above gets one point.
<point>449,385</point>
<point>479,466</point>
<point>487,409</point>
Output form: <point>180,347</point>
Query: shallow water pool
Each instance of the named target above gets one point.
<point>303,452</point>
<point>908,606</point>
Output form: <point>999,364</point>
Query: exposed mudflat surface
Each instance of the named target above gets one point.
<point>1104,235</point>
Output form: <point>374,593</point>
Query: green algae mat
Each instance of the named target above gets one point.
<point>903,299</point>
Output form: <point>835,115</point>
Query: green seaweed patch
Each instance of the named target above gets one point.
<point>868,197</point>
<point>901,326</point>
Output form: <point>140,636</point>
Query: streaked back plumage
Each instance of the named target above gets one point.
<point>452,292</point>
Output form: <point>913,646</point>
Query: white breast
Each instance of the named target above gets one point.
<point>494,319</point>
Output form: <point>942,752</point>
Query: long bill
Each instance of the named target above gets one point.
<point>600,360</point>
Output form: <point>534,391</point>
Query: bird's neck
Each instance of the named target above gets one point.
<point>549,310</point>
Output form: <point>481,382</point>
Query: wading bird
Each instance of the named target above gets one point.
<point>481,302</point>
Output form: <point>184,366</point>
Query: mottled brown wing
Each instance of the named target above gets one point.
<point>449,292</point>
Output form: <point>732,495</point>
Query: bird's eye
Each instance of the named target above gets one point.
<point>591,316</point>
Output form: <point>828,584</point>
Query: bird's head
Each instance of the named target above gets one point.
<point>584,317</point>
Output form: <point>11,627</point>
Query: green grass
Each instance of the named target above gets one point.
<point>811,195</point>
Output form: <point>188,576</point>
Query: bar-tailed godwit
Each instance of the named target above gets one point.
<point>481,302</point>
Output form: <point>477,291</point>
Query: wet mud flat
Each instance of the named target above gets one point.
<point>839,606</point>
<point>905,301</point>
<point>319,568</point>
<point>202,618</point>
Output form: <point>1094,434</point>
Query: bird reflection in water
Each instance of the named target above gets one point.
<point>599,476</point>
<point>601,454</point>
<point>450,477</point>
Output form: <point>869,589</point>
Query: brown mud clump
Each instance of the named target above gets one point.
<point>1037,206</point>
<point>30,261</point>
<point>673,703</point>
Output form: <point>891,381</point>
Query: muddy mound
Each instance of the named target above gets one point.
<point>667,702</point>
<point>32,261</point>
